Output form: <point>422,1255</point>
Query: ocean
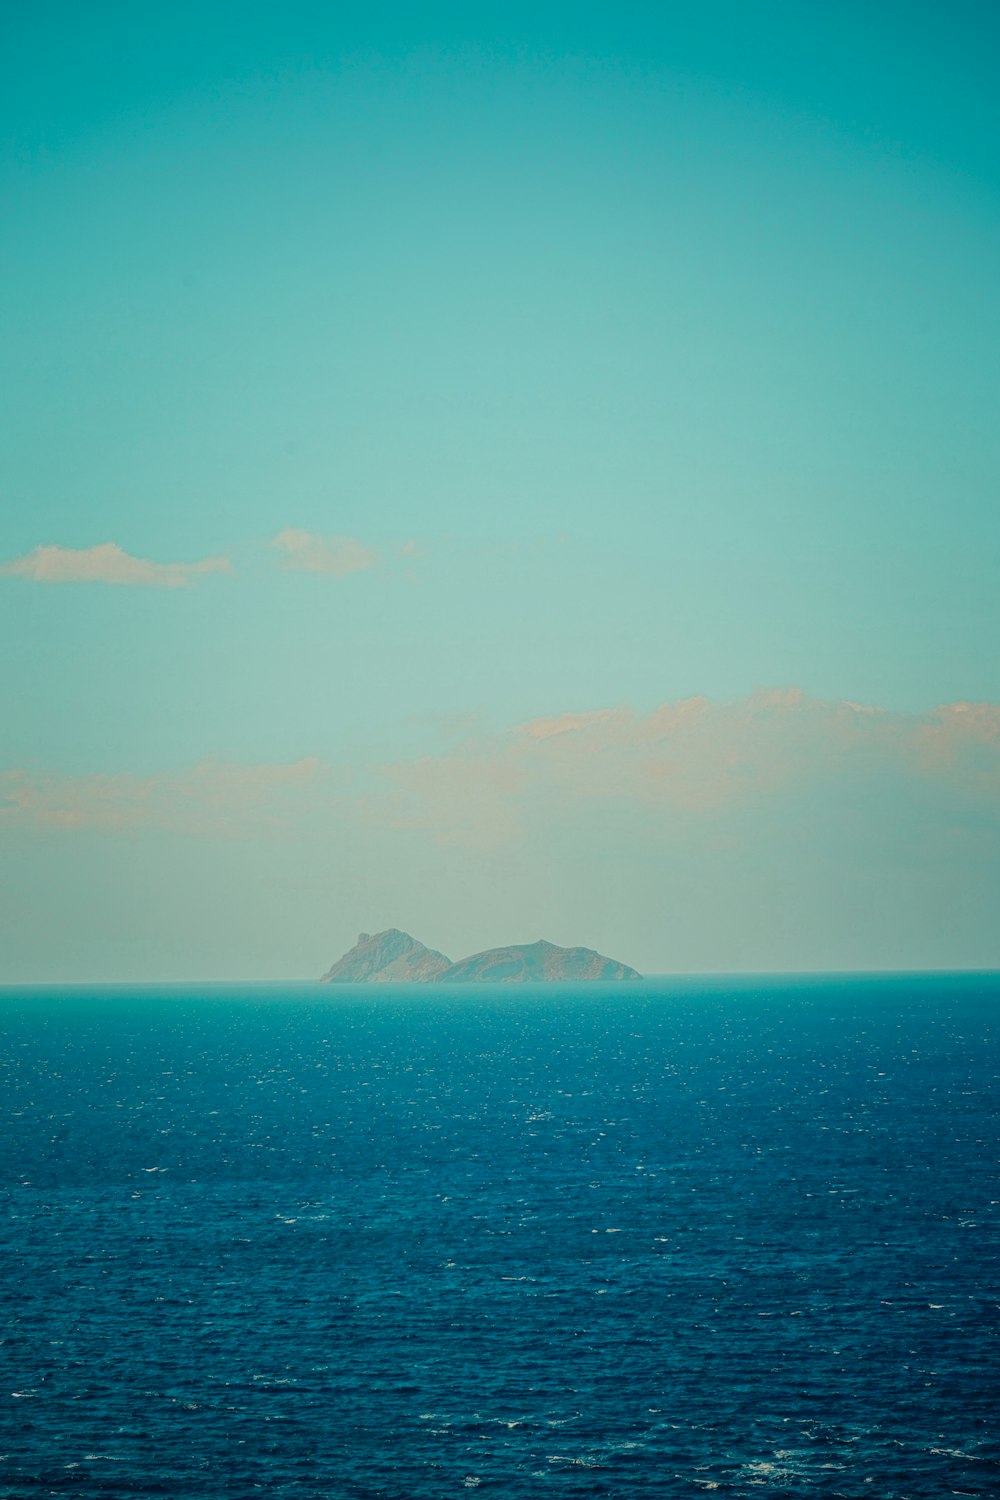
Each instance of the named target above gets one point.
<point>651,1239</point>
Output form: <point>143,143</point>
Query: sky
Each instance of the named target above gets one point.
<point>502,472</point>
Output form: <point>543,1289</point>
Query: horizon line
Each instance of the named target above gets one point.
<point>984,971</point>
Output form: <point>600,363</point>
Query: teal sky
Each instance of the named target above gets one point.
<point>578,358</point>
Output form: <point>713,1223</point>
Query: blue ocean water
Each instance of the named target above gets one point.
<point>637,1240</point>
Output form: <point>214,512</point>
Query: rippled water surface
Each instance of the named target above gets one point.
<point>651,1239</point>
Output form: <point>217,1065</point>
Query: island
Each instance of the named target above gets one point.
<point>394,957</point>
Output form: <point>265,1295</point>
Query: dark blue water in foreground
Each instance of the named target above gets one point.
<point>642,1240</point>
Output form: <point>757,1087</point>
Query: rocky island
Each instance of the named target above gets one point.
<point>394,957</point>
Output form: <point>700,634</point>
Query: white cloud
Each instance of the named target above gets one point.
<point>308,552</point>
<point>107,563</point>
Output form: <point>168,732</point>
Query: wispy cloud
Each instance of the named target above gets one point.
<point>310,552</point>
<point>108,563</point>
<point>213,797</point>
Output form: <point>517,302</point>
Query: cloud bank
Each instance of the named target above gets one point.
<point>682,763</point>
<point>690,760</point>
<point>309,552</point>
<point>108,563</point>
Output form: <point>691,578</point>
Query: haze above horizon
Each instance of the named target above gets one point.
<point>500,470</point>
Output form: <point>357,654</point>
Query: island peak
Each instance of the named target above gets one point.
<point>386,958</point>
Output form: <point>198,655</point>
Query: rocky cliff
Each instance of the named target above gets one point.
<point>386,958</point>
<point>396,957</point>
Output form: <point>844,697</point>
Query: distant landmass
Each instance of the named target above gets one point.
<point>394,957</point>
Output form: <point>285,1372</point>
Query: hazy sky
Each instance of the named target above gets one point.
<point>403,403</point>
